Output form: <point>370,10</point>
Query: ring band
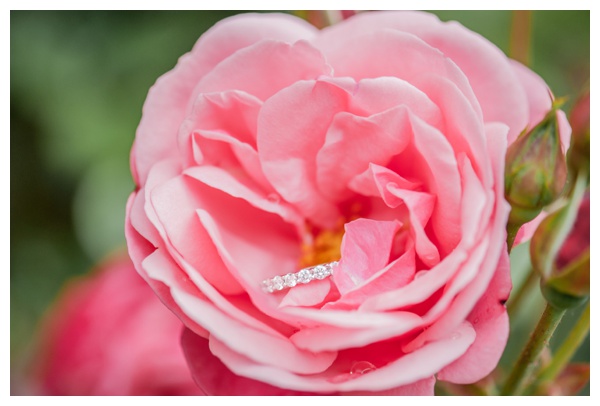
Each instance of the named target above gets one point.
<point>304,276</point>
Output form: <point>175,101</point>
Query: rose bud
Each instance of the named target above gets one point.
<point>108,334</point>
<point>536,170</point>
<point>560,253</point>
<point>579,152</point>
<point>570,286</point>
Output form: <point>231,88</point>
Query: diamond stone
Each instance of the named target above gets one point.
<point>278,282</point>
<point>290,280</point>
<point>304,276</point>
<point>267,285</point>
<point>321,272</point>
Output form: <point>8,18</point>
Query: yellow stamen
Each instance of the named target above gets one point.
<point>325,247</point>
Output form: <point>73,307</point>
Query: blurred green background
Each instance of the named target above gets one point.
<point>77,84</point>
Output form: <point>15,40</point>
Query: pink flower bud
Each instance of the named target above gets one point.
<point>560,253</point>
<point>536,170</point>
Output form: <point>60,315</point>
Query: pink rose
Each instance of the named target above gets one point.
<point>109,335</point>
<point>380,142</point>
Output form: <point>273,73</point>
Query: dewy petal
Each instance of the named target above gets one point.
<point>291,129</point>
<point>168,100</point>
<point>366,249</point>
<point>410,368</point>
<point>424,387</point>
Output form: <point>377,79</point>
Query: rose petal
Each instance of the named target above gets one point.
<point>490,321</point>
<point>374,95</point>
<point>215,379</point>
<point>463,127</point>
<point>262,348</point>
<point>539,96</point>
<point>365,249</point>
<point>353,142</point>
<point>162,267</point>
<point>167,101</point>
<point>426,158</point>
<point>307,295</point>
<point>230,114</point>
<point>174,203</point>
<point>564,130</point>
<point>412,60</point>
<point>143,236</point>
<point>496,87</point>
<point>291,130</point>
<point>229,153</point>
<point>441,313</point>
<point>264,68</point>
<point>396,275</point>
<point>419,207</point>
<point>372,182</point>
<point>466,287</point>
<point>224,181</point>
<point>332,338</point>
<point>424,387</point>
<point>166,278</point>
<point>411,368</point>
<point>310,317</point>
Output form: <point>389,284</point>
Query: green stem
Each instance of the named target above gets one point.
<point>511,234</point>
<point>476,390</point>
<point>520,36</point>
<point>530,354</point>
<point>516,299</point>
<point>567,348</point>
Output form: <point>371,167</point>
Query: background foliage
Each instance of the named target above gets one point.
<point>78,81</point>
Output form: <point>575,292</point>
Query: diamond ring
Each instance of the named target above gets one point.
<point>306,275</point>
